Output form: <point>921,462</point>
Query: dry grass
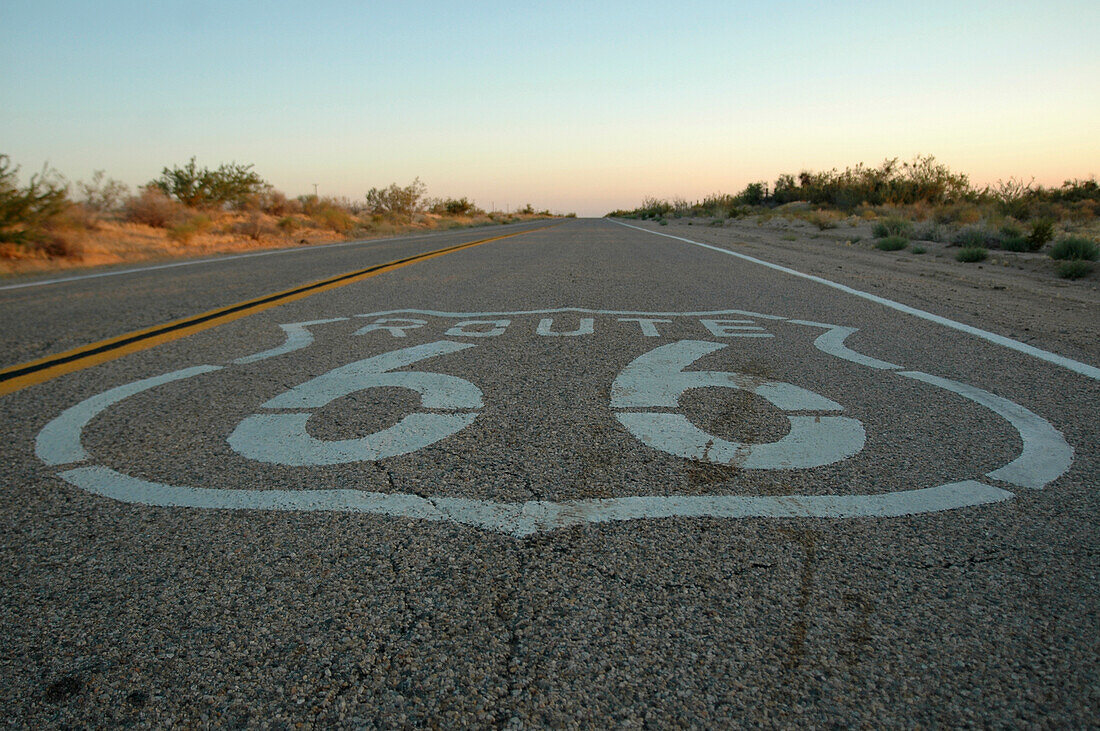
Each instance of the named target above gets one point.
<point>77,243</point>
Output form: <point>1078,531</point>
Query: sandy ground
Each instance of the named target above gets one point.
<point>1018,295</point>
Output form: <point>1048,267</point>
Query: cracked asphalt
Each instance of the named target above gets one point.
<point>529,550</point>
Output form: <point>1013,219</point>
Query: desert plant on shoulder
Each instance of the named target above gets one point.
<point>824,219</point>
<point>26,210</point>
<point>918,250</point>
<point>1042,231</point>
<point>892,226</point>
<point>971,254</point>
<point>930,231</point>
<point>1074,269</point>
<point>396,201</point>
<point>153,207</point>
<point>1075,247</point>
<point>232,183</point>
<point>102,194</point>
<point>892,243</point>
<point>976,237</point>
<point>1013,238</point>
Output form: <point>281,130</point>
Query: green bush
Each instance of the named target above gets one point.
<point>971,254</point>
<point>976,237</point>
<point>1042,231</point>
<point>892,243</point>
<point>1016,243</point>
<point>930,231</point>
<point>232,183</point>
<point>1075,247</point>
<point>918,250</point>
<point>24,211</point>
<point>395,201</point>
<point>892,226</point>
<point>1074,269</point>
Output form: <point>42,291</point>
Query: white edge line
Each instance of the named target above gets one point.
<point>214,259</point>
<point>1083,369</point>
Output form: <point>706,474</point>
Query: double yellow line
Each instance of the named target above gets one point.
<point>28,374</point>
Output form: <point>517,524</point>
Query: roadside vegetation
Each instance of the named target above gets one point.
<point>47,222</point>
<point>921,200</point>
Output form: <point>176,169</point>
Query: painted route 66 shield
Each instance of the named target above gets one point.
<point>523,422</point>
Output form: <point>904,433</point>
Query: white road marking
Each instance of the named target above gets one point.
<point>585,327</point>
<point>657,379</point>
<point>297,337</point>
<point>1083,369</point>
<point>832,342</point>
<point>495,328</point>
<point>283,439</point>
<point>1045,456</point>
<point>59,441</point>
<point>524,519</point>
<point>813,441</point>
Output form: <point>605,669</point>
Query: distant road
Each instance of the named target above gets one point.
<point>562,473</point>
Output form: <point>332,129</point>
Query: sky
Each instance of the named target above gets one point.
<point>583,107</point>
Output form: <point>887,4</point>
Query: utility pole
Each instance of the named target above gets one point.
<point>315,190</point>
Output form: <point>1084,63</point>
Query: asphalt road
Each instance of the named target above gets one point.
<point>581,476</point>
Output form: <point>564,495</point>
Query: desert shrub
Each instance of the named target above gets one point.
<point>976,237</point>
<point>754,194</point>
<point>1014,197</point>
<point>717,223</point>
<point>152,207</point>
<point>1074,269</point>
<point>288,224</point>
<point>918,250</point>
<point>1042,231</point>
<point>892,226</point>
<point>930,231</point>
<point>971,254</point>
<point>662,221</point>
<point>892,243</point>
<point>275,203</point>
<point>458,206</point>
<point>824,219</point>
<point>396,201</point>
<point>1015,243</point>
<point>231,184</point>
<point>26,210</point>
<point>185,230</point>
<point>255,226</point>
<point>102,194</point>
<point>1075,248</point>
<point>330,214</point>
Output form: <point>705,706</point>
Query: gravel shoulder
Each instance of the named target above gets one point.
<point>1015,295</point>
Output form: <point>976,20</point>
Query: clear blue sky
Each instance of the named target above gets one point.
<point>574,106</point>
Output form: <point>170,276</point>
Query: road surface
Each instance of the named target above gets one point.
<point>581,475</point>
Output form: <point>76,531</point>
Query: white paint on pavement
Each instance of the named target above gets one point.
<point>586,326</point>
<point>832,342</point>
<point>59,441</point>
<point>1083,369</point>
<point>657,379</point>
<point>297,337</point>
<point>524,519</point>
<point>283,439</point>
<point>1045,456</point>
<point>644,397</point>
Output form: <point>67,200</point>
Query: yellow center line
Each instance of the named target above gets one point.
<point>20,376</point>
